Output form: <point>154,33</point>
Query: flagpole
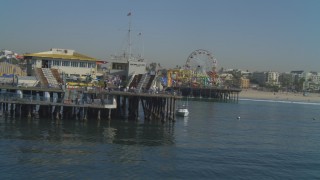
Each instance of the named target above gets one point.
<point>129,35</point>
<point>142,47</point>
<point>142,44</point>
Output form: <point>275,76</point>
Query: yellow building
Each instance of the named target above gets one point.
<point>245,83</point>
<point>7,68</point>
<point>66,61</point>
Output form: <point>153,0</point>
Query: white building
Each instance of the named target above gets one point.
<point>312,81</point>
<point>266,78</point>
<point>125,66</point>
<point>66,61</point>
<point>273,78</point>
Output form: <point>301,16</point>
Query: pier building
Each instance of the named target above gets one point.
<point>66,61</point>
<point>125,67</point>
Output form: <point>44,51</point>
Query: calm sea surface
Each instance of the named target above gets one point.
<point>271,140</point>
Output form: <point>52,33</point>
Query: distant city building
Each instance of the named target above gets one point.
<point>273,78</point>
<point>286,80</point>
<point>311,81</point>
<point>300,72</point>
<point>9,55</point>
<point>266,78</point>
<point>246,74</point>
<point>226,76</point>
<point>245,83</point>
<point>260,78</point>
<point>298,77</point>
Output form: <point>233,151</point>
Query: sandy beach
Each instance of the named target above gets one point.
<point>279,96</point>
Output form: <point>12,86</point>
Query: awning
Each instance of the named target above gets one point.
<point>101,62</point>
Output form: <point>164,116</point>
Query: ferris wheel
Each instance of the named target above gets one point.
<point>201,61</point>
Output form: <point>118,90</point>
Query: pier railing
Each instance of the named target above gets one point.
<point>10,97</point>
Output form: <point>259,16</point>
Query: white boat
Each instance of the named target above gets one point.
<point>182,111</point>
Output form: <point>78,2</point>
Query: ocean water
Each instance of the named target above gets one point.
<point>245,140</point>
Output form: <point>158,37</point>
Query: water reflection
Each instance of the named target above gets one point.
<point>66,131</point>
<point>109,133</point>
<point>185,121</point>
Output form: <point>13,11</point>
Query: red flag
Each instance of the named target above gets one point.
<point>129,14</point>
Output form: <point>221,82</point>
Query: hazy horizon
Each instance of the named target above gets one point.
<point>248,34</point>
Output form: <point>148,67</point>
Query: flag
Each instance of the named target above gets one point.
<point>129,14</point>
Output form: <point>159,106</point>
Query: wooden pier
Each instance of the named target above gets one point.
<point>155,106</point>
<point>101,104</point>
<point>84,105</point>
<point>214,94</point>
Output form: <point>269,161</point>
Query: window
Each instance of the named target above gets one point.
<point>119,66</point>
<point>65,63</point>
<point>74,64</point>
<point>91,65</point>
<point>83,64</point>
<point>56,63</point>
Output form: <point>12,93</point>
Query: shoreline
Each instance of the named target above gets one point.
<point>279,96</point>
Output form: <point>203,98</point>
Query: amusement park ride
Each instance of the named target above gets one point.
<point>199,71</point>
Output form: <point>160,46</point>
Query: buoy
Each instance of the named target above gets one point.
<point>238,117</point>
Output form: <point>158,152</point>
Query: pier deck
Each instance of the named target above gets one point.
<point>99,103</point>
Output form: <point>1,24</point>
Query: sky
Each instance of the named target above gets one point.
<point>254,35</point>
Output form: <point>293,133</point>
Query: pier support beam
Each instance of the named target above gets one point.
<point>109,114</point>
<point>99,118</point>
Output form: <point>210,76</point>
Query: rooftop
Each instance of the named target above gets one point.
<point>55,53</point>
